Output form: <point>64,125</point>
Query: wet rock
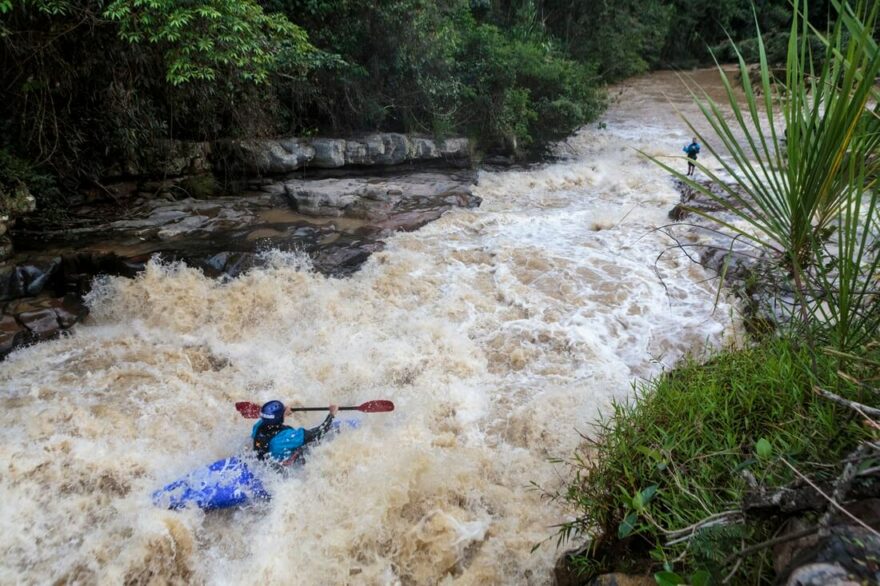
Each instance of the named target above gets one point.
<point>77,272</point>
<point>11,283</point>
<point>42,323</point>
<point>409,221</point>
<point>70,310</point>
<point>12,335</point>
<point>378,199</point>
<point>694,199</point>
<point>341,260</point>
<point>849,555</point>
<point>240,262</point>
<point>679,213</point>
<point>229,263</point>
<point>26,280</point>
<point>38,278</point>
<point>216,264</point>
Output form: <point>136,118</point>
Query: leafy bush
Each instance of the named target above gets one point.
<point>203,38</point>
<point>524,90</point>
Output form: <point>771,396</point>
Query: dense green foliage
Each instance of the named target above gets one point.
<point>89,84</point>
<point>629,36</point>
<point>206,39</point>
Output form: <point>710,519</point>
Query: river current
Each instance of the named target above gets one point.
<point>500,333</point>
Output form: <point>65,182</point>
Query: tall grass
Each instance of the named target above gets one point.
<point>807,194</point>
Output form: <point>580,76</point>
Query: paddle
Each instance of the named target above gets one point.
<point>250,410</point>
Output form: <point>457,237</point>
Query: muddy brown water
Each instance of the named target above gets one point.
<point>499,332</point>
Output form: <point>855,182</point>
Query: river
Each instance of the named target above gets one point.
<point>499,332</point>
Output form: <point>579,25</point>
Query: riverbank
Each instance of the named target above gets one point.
<point>220,208</point>
<point>701,473</point>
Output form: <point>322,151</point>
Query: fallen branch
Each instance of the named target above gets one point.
<point>688,533</point>
<point>769,543</point>
<point>841,488</point>
<point>863,409</point>
<point>787,501</point>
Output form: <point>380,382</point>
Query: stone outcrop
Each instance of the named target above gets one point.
<point>282,156</point>
<point>172,159</point>
<point>379,199</point>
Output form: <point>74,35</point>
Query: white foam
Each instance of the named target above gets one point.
<point>498,332</point>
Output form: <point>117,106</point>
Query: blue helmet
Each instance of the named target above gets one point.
<point>272,412</point>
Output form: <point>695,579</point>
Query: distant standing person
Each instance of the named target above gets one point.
<point>692,150</point>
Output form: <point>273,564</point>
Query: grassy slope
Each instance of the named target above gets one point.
<point>692,434</point>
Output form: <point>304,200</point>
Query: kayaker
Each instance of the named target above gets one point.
<point>282,443</point>
<point>692,151</point>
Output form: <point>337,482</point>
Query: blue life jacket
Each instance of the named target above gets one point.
<point>692,149</point>
<point>284,443</point>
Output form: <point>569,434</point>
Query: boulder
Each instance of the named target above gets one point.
<point>422,149</point>
<point>341,260</point>
<point>329,153</point>
<point>42,323</point>
<point>12,335</point>
<point>272,156</point>
<point>364,151</point>
<point>325,197</point>
<point>70,310</point>
<point>396,149</point>
<point>455,148</point>
<point>378,199</point>
<point>847,555</point>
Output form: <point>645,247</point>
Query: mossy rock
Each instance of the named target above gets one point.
<point>16,201</point>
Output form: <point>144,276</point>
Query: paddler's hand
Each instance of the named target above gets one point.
<point>333,409</point>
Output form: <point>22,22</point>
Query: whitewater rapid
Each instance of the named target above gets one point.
<point>500,333</point>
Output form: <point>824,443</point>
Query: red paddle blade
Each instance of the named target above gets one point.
<point>248,409</point>
<point>376,407</point>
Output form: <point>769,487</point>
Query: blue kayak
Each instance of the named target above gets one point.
<point>226,483</point>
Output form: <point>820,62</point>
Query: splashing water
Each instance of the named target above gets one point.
<point>498,332</point>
